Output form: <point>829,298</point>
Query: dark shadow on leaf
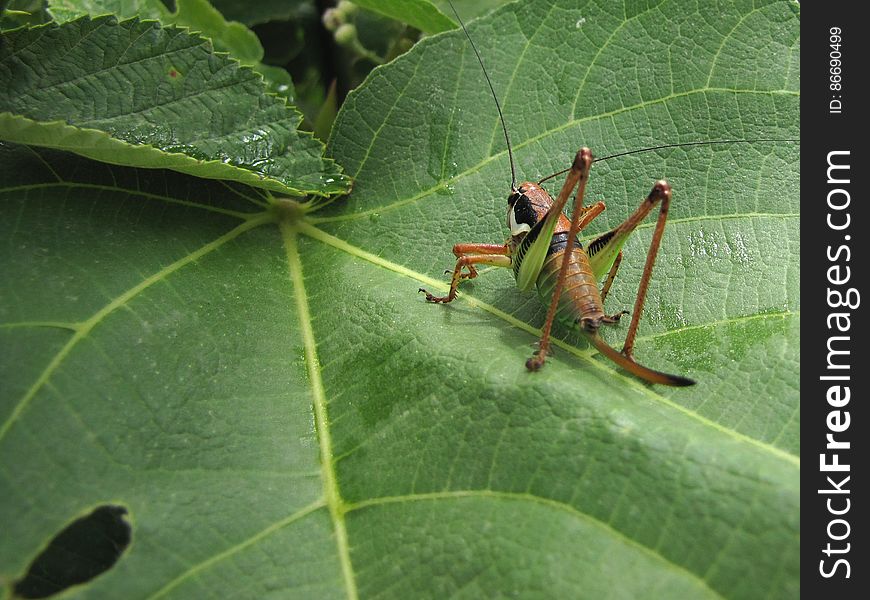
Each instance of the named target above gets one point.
<point>86,548</point>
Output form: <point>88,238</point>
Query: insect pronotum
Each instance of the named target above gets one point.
<point>542,251</point>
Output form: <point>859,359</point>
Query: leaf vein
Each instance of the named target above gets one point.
<point>386,119</point>
<point>720,322</point>
<point>201,566</point>
<point>352,250</point>
<point>512,79</point>
<point>330,481</point>
<point>571,123</point>
<point>87,326</point>
<point>725,39</point>
<point>137,192</point>
<point>526,497</point>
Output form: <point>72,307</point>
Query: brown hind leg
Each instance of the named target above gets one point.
<point>578,175</point>
<point>661,192</point>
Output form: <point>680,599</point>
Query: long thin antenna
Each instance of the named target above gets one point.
<point>494,97</point>
<point>682,144</point>
<point>678,145</point>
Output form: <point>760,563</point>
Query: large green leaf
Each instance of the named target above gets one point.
<point>134,93</point>
<point>283,415</point>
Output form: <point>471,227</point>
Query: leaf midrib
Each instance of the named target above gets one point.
<point>332,499</point>
<point>339,244</point>
<point>307,228</point>
<point>331,491</point>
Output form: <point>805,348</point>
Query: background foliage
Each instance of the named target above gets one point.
<point>198,328</point>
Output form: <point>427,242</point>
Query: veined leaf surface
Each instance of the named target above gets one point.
<point>137,94</point>
<point>283,415</point>
<point>197,15</point>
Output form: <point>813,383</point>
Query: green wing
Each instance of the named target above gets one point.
<point>602,251</point>
<point>529,257</point>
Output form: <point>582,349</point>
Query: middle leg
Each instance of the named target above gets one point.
<point>460,250</point>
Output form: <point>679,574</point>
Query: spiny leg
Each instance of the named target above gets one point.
<point>588,213</point>
<point>611,275</point>
<point>614,318</point>
<point>466,261</point>
<point>489,254</point>
<point>661,192</point>
<point>578,175</point>
<point>460,250</point>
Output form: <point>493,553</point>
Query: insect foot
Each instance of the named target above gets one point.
<point>540,356</point>
<point>615,318</point>
<point>433,298</point>
<point>535,362</point>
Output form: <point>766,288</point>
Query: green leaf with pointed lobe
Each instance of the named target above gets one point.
<point>198,15</point>
<point>134,93</point>
<point>282,415</point>
<point>421,14</point>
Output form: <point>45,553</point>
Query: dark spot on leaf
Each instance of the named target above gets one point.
<point>173,73</point>
<point>87,547</point>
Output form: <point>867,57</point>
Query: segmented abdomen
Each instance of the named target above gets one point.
<point>579,298</point>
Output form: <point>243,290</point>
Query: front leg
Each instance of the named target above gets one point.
<point>460,250</point>
<point>469,255</point>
